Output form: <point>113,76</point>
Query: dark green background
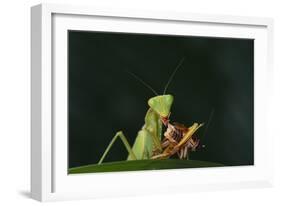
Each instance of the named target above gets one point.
<point>103,98</point>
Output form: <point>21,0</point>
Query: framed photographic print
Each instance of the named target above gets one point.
<point>123,101</point>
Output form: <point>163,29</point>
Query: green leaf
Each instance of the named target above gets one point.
<point>135,165</point>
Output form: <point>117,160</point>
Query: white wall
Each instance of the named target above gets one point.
<point>15,103</point>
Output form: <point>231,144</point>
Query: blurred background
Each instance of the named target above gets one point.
<point>103,98</point>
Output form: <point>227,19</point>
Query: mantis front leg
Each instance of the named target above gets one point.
<point>125,142</point>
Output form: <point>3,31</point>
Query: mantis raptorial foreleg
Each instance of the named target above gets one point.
<point>125,142</point>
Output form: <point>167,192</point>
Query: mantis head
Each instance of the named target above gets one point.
<point>161,104</point>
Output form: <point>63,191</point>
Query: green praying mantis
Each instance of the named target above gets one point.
<point>149,143</point>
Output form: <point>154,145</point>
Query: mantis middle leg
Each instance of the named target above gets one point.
<point>125,142</point>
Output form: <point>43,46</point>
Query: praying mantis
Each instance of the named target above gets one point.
<point>149,143</point>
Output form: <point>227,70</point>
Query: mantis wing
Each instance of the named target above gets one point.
<point>143,146</point>
<point>153,124</point>
<point>148,138</point>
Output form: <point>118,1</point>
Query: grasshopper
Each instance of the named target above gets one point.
<point>148,143</point>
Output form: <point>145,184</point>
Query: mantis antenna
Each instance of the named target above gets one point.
<point>143,82</point>
<point>173,74</point>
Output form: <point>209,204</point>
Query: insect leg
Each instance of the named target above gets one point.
<point>125,142</point>
<point>161,156</point>
<point>185,152</point>
<point>181,153</point>
<point>165,143</point>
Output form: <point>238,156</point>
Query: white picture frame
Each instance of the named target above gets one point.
<point>49,178</point>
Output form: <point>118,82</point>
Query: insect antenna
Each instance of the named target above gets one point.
<point>208,123</point>
<point>173,74</point>
<point>143,82</point>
